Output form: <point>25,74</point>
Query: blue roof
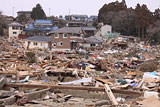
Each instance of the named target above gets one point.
<point>54,28</point>
<point>31,28</point>
<point>93,16</point>
<point>41,21</point>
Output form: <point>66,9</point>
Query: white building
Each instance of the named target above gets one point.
<point>15,29</point>
<point>103,30</point>
<point>106,29</point>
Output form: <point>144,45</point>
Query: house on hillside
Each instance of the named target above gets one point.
<point>15,29</point>
<point>9,19</point>
<point>92,18</point>
<point>26,13</point>
<point>75,24</point>
<point>38,42</point>
<point>40,27</point>
<point>76,17</point>
<point>67,38</point>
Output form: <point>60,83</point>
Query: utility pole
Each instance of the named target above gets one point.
<point>13,11</point>
<point>49,12</point>
<point>69,14</point>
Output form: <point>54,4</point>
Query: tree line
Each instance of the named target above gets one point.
<point>139,22</point>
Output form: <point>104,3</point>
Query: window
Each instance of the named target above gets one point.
<point>93,44</point>
<point>29,42</point>
<point>60,43</point>
<point>56,35</point>
<point>54,44</point>
<point>64,35</point>
<point>35,43</point>
<point>15,28</point>
<point>14,32</point>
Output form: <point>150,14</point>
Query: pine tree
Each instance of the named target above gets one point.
<point>38,13</point>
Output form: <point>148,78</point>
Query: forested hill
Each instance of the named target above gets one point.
<point>140,22</point>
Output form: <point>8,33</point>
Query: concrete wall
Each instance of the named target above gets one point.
<point>106,29</point>
<point>40,45</point>
<point>17,31</point>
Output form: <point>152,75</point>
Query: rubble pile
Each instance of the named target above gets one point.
<point>122,73</point>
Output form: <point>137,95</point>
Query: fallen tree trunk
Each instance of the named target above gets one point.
<point>73,88</point>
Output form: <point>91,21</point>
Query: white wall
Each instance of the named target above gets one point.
<point>40,45</point>
<point>86,45</point>
<point>18,31</point>
<point>106,29</point>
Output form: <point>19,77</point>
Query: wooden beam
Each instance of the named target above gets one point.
<point>110,94</point>
<point>73,88</point>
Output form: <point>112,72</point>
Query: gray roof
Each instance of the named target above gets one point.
<point>76,30</point>
<point>15,24</point>
<point>24,11</point>
<point>40,38</point>
<point>78,15</point>
<point>93,39</point>
<point>89,28</point>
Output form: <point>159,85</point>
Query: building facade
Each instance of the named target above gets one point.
<point>66,38</point>
<point>76,17</point>
<point>15,29</point>
<point>38,42</point>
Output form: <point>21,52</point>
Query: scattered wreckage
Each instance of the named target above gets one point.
<point>120,74</point>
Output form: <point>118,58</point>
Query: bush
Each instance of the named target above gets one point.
<point>30,56</point>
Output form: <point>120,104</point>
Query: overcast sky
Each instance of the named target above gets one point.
<point>62,7</point>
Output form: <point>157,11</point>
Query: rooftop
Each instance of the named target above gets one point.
<point>68,30</point>
<point>31,27</point>
<point>93,39</point>
<point>15,24</point>
<point>89,28</point>
<point>77,15</point>
<point>24,11</point>
<point>40,38</point>
<point>41,21</point>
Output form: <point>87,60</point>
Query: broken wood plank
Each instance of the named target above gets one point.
<point>73,88</point>
<point>104,81</point>
<point>110,94</point>
<point>3,81</point>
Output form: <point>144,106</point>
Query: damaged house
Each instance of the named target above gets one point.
<point>67,38</point>
<point>92,42</point>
